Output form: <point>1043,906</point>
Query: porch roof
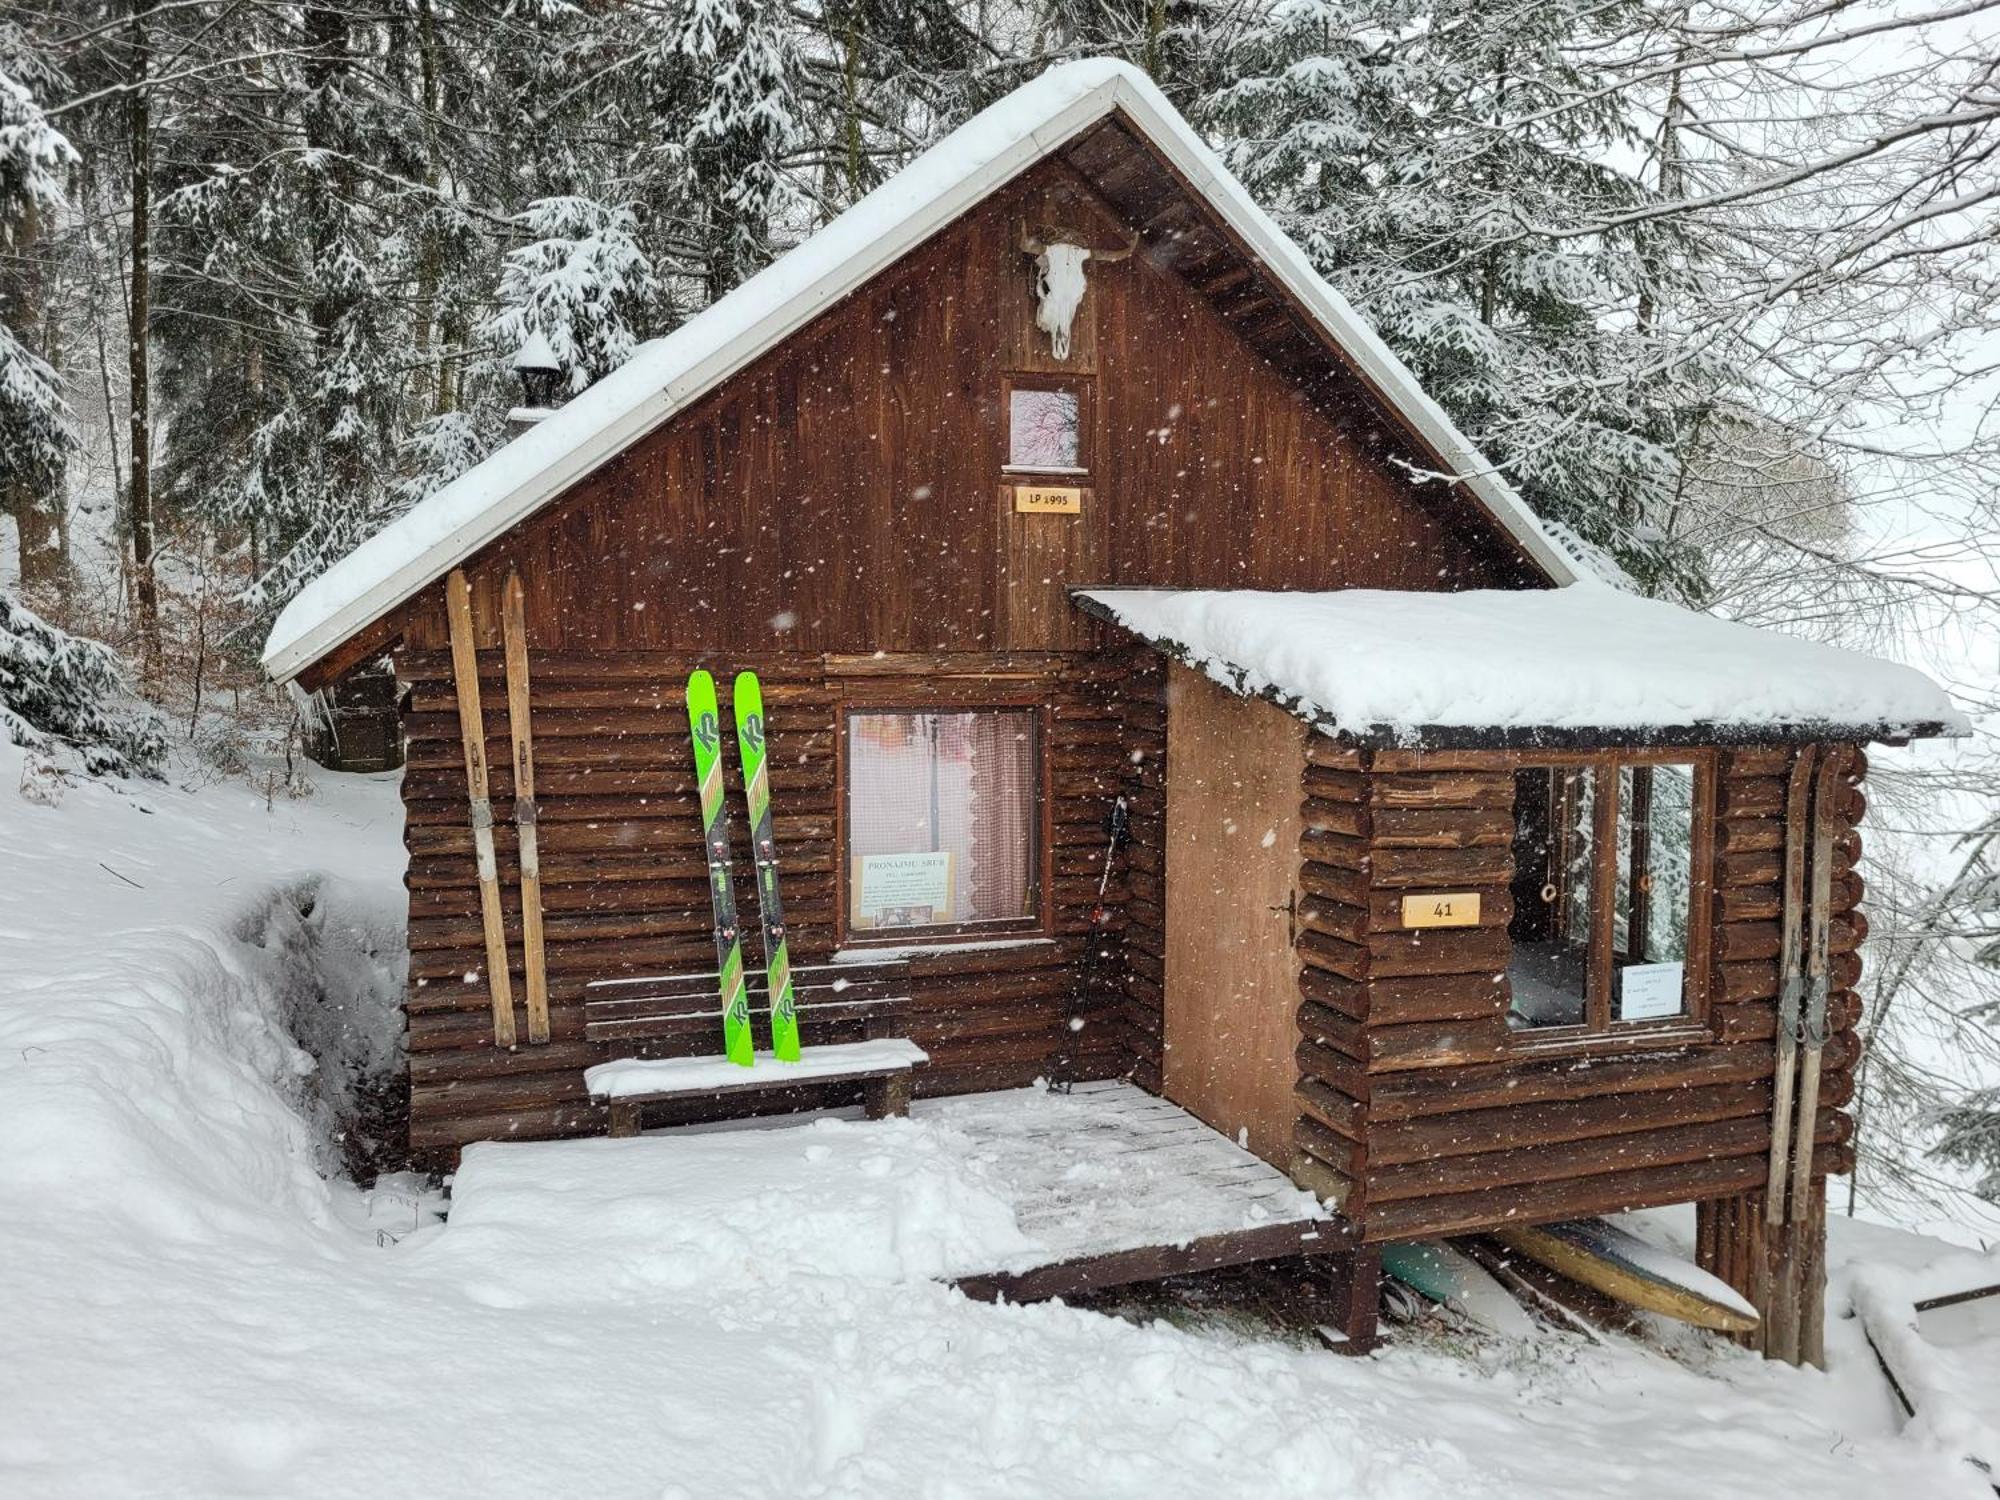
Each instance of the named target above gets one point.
<point>1577,666</point>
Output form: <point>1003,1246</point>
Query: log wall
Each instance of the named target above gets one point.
<point>1419,1110</point>
<point>1142,1009</point>
<point>624,876</point>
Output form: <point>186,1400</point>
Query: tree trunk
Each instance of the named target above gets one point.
<point>34,507</point>
<point>327,31</point>
<point>139,126</point>
<point>428,385</point>
<point>850,92</point>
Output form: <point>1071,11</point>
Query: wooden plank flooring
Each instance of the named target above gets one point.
<point>1118,1185</point>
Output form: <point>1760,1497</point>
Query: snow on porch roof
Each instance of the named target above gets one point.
<point>1582,665</point>
<point>668,374</point>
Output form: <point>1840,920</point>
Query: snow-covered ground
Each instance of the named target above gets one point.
<point>189,1307</point>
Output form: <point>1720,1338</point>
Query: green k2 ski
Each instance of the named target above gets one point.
<point>748,694</point>
<point>705,726</point>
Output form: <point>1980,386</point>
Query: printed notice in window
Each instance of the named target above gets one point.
<point>902,890</point>
<point>1647,992</point>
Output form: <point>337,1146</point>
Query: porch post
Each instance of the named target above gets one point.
<point>1780,1269</point>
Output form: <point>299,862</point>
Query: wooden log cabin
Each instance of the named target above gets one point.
<point>1048,477</point>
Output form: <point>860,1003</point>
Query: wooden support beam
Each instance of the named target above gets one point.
<point>1779,1266</point>
<point>520,724</point>
<point>472,729</point>
<point>1357,1300</point>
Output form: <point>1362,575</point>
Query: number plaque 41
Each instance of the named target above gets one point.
<point>1442,909</point>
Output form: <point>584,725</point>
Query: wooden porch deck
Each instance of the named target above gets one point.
<point>1118,1186</point>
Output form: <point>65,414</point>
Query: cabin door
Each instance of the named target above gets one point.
<point>1235,769</point>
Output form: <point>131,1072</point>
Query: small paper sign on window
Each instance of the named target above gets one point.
<point>1647,992</point>
<point>1048,500</point>
<point>902,890</point>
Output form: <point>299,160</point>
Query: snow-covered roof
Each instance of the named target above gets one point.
<point>667,374</point>
<point>1526,667</point>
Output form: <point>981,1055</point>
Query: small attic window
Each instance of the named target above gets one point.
<point>1047,419</point>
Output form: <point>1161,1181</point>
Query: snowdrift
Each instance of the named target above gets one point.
<point>189,1312</point>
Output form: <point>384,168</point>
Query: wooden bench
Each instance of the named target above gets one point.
<point>882,1068</point>
<point>666,1008</point>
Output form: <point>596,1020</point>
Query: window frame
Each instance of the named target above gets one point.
<point>936,698</point>
<point>1601,1029</point>
<point>1078,385</point>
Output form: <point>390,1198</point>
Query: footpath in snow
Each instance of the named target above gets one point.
<point>193,1308</point>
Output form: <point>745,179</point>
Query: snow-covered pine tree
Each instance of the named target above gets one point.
<point>61,694</point>
<point>292,232</point>
<point>739,58</point>
<point>1964,1122</point>
<point>36,432</point>
<point>583,282</point>
<point>1432,155</point>
<point>1182,45</point>
<point>894,74</point>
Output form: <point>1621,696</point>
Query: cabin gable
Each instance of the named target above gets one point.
<point>849,491</point>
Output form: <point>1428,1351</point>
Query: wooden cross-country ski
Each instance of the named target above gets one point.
<point>472,729</point>
<point>1791,980</point>
<point>534,961</point>
<point>1812,1021</point>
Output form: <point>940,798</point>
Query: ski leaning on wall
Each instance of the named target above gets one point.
<point>748,699</point>
<point>1818,975</point>
<point>1791,978</point>
<point>705,729</point>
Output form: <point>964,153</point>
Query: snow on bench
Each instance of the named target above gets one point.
<point>882,1066</point>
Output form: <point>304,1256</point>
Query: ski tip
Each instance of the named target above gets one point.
<point>699,681</point>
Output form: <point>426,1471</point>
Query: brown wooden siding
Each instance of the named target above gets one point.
<point>625,891</point>
<point>845,494</point>
<point>1419,1109</point>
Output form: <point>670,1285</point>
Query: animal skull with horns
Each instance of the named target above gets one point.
<point>1059,283</point>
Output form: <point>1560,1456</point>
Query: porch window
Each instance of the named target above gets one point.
<point>1048,419</point>
<point>1608,859</point>
<point>943,822</point>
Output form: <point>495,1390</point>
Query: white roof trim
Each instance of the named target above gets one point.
<point>670,373</point>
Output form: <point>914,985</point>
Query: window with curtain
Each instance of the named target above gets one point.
<point>943,817</point>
